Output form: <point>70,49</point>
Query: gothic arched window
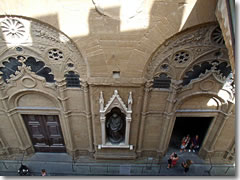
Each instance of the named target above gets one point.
<point>72,79</point>
<point>40,69</point>
<point>162,81</point>
<point>10,67</point>
<point>222,68</point>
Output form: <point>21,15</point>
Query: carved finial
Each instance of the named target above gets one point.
<point>101,101</point>
<point>130,101</point>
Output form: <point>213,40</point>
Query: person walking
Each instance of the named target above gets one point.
<point>43,172</point>
<point>186,165</point>
<point>172,161</point>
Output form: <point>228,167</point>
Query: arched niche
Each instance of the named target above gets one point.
<point>122,114</point>
<point>115,126</point>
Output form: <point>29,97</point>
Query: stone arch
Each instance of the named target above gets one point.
<point>35,37</point>
<point>196,40</point>
<point>23,95</point>
<point>217,122</point>
<point>221,102</point>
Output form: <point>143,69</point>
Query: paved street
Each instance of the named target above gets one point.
<point>61,164</point>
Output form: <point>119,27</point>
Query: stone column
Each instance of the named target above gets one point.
<point>88,113</point>
<point>103,120</point>
<point>127,130</point>
<point>128,118</point>
<point>147,89</point>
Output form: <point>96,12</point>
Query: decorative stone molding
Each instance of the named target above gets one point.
<point>34,37</point>
<point>207,85</point>
<point>115,101</point>
<point>223,19</point>
<point>28,78</point>
<point>15,30</point>
<point>193,44</point>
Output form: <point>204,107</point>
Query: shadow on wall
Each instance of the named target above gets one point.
<point>107,48</point>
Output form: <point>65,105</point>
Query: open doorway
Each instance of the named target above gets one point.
<point>191,126</point>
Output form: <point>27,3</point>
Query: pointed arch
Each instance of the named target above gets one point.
<point>43,41</point>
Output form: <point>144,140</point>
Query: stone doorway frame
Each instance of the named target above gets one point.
<point>204,113</point>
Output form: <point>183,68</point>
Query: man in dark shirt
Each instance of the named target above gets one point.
<point>194,144</point>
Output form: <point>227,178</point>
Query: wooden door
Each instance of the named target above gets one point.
<point>45,133</point>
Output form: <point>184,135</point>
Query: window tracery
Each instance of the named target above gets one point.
<point>55,54</point>
<point>162,81</point>
<point>10,67</point>
<point>181,57</point>
<point>72,79</point>
<point>222,69</point>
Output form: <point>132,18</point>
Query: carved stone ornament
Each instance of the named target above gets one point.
<point>28,79</point>
<point>196,40</point>
<point>115,102</point>
<point>52,45</point>
<point>15,31</point>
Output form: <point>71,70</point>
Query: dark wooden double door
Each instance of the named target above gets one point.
<point>45,132</point>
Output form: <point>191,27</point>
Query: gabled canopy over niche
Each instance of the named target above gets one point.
<point>115,120</point>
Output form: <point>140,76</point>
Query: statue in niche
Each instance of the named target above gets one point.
<point>115,128</point>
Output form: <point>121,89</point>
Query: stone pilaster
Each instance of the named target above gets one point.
<point>147,89</point>
<point>168,120</point>
<point>61,85</point>
<point>88,113</point>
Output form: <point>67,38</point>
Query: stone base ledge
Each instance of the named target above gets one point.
<point>117,156</point>
<point>120,146</point>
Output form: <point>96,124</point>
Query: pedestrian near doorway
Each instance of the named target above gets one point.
<point>172,161</point>
<point>194,146</point>
<point>184,143</point>
<point>43,172</point>
<point>186,165</point>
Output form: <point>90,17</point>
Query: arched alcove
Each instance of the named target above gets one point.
<point>115,126</point>
<point>115,120</point>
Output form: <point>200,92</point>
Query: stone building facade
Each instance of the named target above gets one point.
<point>67,67</point>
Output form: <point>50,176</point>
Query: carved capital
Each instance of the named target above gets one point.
<point>148,86</point>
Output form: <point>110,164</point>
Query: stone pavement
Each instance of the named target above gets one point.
<point>61,164</point>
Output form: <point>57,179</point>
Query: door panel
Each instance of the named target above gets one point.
<point>45,133</point>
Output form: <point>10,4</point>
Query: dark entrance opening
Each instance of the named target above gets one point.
<point>191,126</point>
